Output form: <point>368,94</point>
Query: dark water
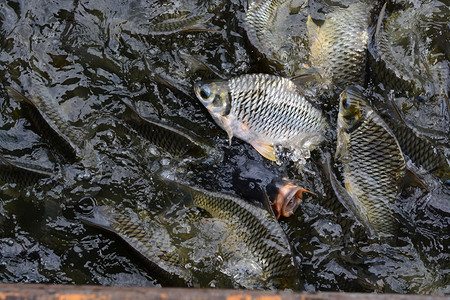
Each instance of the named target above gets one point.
<point>91,55</point>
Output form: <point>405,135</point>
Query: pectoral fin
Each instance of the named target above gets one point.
<point>380,20</point>
<point>265,149</point>
<point>313,29</point>
<point>305,76</point>
<point>412,179</point>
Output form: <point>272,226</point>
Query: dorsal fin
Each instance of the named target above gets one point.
<point>380,20</point>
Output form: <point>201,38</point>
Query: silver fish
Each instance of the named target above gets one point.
<point>372,161</point>
<point>48,117</point>
<point>338,47</point>
<point>256,227</point>
<point>20,173</point>
<point>167,24</point>
<point>418,148</point>
<point>265,111</point>
<point>152,243</point>
<point>170,139</point>
<point>280,39</point>
<point>259,22</point>
<point>399,46</point>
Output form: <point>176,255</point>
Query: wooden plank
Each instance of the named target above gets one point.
<point>85,292</point>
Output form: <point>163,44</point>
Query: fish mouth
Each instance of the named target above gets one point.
<point>288,200</point>
<point>197,86</point>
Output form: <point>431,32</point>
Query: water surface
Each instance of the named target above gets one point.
<point>92,55</point>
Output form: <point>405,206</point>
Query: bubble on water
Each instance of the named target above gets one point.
<point>136,86</point>
<point>153,151</point>
<point>244,271</point>
<point>168,174</point>
<point>164,162</point>
<point>87,175</point>
<point>110,135</point>
<point>219,259</point>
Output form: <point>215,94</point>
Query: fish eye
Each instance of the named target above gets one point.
<point>346,103</point>
<point>205,92</point>
<point>86,205</point>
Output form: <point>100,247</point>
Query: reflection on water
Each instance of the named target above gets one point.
<point>93,55</point>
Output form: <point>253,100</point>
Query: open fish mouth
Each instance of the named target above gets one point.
<point>288,200</point>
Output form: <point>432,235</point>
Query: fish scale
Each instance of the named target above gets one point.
<point>338,47</point>
<point>265,111</point>
<point>255,227</point>
<point>420,150</point>
<point>272,111</point>
<point>372,166</point>
<point>259,23</point>
<point>391,62</point>
<point>22,175</point>
<point>46,117</point>
<point>151,242</point>
<point>172,140</point>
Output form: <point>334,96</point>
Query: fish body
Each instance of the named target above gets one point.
<point>338,47</point>
<point>337,200</point>
<point>255,227</point>
<point>22,175</point>
<point>151,242</point>
<point>259,22</point>
<point>420,150</point>
<point>277,30</point>
<point>265,111</point>
<point>372,161</point>
<point>47,116</point>
<point>398,48</point>
<point>169,139</point>
<point>172,24</point>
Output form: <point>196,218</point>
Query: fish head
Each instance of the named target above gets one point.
<point>214,96</point>
<point>351,103</point>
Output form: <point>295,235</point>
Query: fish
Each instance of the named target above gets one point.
<point>276,31</point>
<point>167,138</point>
<point>46,116</point>
<point>287,197</point>
<point>265,111</point>
<point>337,199</point>
<point>262,185</point>
<point>255,227</point>
<point>338,47</point>
<point>151,242</point>
<point>417,148</point>
<point>259,22</point>
<point>396,52</point>
<point>20,173</point>
<point>173,23</point>
<point>373,165</point>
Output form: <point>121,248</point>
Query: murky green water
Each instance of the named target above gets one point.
<point>92,55</point>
